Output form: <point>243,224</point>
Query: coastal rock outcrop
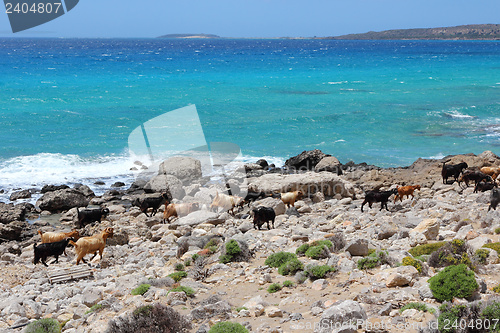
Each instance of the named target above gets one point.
<point>59,200</point>
<point>307,160</point>
<point>186,169</point>
<point>165,184</point>
<point>10,212</point>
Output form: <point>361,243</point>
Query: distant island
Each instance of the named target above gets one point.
<point>461,32</point>
<point>189,36</point>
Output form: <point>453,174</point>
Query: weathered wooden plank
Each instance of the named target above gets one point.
<point>68,274</point>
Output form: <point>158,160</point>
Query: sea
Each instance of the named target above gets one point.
<point>69,106</point>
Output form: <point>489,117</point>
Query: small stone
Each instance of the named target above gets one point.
<point>273,312</point>
<point>319,284</point>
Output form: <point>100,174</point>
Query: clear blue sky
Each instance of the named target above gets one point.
<point>257,18</point>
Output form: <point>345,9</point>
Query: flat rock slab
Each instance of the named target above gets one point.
<point>198,217</point>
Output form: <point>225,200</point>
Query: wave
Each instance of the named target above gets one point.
<point>455,114</point>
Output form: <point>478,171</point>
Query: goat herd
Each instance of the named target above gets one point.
<point>55,243</point>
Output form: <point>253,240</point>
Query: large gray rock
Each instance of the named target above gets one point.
<point>211,307</point>
<point>12,231</point>
<point>165,184</point>
<point>9,213</point>
<point>330,164</point>
<point>276,204</point>
<point>429,228</point>
<point>23,194</point>
<point>328,183</point>
<point>306,160</point>
<point>64,199</point>
<point>340,314</point>
<point>198,217</point>
<point>186,169</point>
<point>358,247</point>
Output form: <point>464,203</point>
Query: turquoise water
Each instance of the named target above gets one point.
<point>67,106</point>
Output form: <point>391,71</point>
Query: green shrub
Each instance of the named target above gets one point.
<point>453,281</point>
<point>418,306</point>
<point>45,325</point>
<point>187,290</point>
<point>274,288</point>
<point>317,252</point>
<point>302,249</point>
<point>177,276</point>
<point>232,248</point>
<point>497,289</point>
<point>238,309</point>
<point>195,256</point>
<point>288,284</point>
<point>455,252</point>
<point>482,256</point>
<point>409,261</point>
<point>291,267</point>
<point>155,318</point>
<point>179,267</point>
<point>493,246</point>
<point>371,252</point>
<point>449,315</point>
<point>226,258</point>
<point>211,243</point>
<point>497,230</point>
<point>492,313</point>
<point>94,308</point>
<point>279,258</point>
<point>228,327</point>
<point>315,272</point>
<point>373,260</point>
<point>188,262</point>
<point>425,249</point>
<point>141,290</point>
<point>324,242</point>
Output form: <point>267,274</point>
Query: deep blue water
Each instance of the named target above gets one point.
<point>67,106</point>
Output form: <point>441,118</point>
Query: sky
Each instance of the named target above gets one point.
<point>256,18</point>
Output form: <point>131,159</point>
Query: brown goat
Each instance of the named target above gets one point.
<point>491,171</point>
<point>92,244</point>
<point>406,190</point>
<point>178,210</point>
<point>52,237</point>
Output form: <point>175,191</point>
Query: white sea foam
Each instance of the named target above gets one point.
<point>458,115</point>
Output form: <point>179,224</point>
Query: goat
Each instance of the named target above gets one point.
<point>476,176</point>
<point>151,202</point>
<point>377,196</point>
<point>253,196</point>
<point>44,250</point>
<point>406,190</point>
<point>52,237</point>
<point>178,210</point>
<point>452,170</point>
<point>289,198</point>
<point>494,199</point>
<point>263,215</point>
<point>89,215</point>
<point>227,202</point>
<point>483,187</point>
<point>491,171</point>
<point>91,244</point>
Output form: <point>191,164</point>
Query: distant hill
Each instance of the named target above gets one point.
<point>464,32</point>
<point>189,36</point>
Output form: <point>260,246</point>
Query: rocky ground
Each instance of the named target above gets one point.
<point>144,250</point>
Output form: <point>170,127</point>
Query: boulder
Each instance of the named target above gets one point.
<point>52,188</point>
<point>23,194</point>
<point>198,217</point>
<point>429,228</point>
<point>341,313</point>
<point>9,212</point>
<point>276,204</point>
<point>307,160</point>
<point>309,183</point>
<point>165,184</point>
<point>59,200</point>
<point>186,169</point>
<point>12,231</point>
<point>330,164</point>
<point>358,247</point>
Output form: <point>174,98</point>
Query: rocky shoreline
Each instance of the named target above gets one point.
<point>146,251</point>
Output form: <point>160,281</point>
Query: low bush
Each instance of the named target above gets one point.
<point>155,318</point>
<point>188,262</point>
<point>455,252</point>
<point>418,306</point>
<point>373,260</point>
<point>288,284</point>
<point>187,290</point>
<point>291,267</point>
<point>497,230</point>
<point>233,248</point>
<point>497,289</point>
<point>318,252</point>
<point>315,272</point>
<point>232,252</point>
<point>482,256</point>
<point>274,288</point>
<point>279,258</point>
<point>302,249</point>
<point>94,308</point>
<point>177,276</point>
<point>409,261</point>
<point>228,327</point>
<point>453,281</point>
<point>141,290</point>
<point>493,246</point>
<point>45,325</point>
<point>238,309</point>
<point>425,249</point>
<point>491,313</point>
<point>179,267</point>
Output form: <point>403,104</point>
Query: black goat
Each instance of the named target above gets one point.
<point>452,170</point>
<point>263,215</point>
<point>495,199</point>
<point>253,196</point>
<point>483,187</point>
<point>377,196</point>
<point>45,250</point>
<point>145,203</point>
<point>475,175</point>
<point>89,215</point>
